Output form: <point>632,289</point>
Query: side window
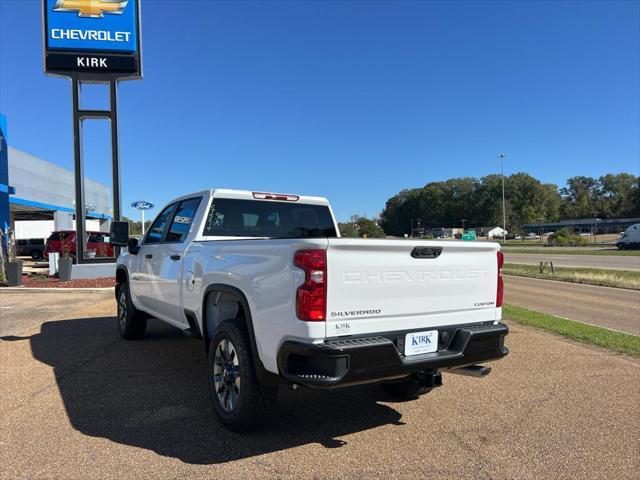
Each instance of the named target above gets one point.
<point>159,225</point>
<point>95,238</point>
<point>182,220</point>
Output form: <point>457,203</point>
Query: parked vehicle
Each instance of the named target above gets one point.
<point>630,238</point>
<point>279,298</point>
<point>65,240</point>
<point>30,247</point>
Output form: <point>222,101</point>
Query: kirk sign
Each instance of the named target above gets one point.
<point>92,39</point>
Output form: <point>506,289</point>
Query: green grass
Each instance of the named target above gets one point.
<point>590,276</point>
<point>582,332</point>
<point>573,251</point>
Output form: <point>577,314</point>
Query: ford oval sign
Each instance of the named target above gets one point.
<point>142,205</point>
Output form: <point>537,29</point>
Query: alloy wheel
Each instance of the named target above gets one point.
<point>226,375</point>
<point>122,310</point>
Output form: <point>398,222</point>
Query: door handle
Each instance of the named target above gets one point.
<point>148,255</point>
<point>175,257</point>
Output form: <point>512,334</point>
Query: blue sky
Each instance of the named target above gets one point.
<point>353,100</point>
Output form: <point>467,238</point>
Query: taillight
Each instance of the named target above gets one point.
<point>500,293</point>
<point>311,297</point>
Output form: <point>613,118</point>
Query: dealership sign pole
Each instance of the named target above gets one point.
<point>92,41</point>
<point>142,206</point>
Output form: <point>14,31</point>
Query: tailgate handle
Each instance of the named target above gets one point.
<point>426,252</point>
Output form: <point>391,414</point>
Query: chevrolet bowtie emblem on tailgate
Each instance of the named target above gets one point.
<point>90,8</point>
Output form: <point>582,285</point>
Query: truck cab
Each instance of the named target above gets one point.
<point>630,238</point>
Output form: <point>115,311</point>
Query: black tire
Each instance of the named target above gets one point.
<point>240,402</point>
<point>132,323</point>
<point>406,389</point>
<point>36,254</point>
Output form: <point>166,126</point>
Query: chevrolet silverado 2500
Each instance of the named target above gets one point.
<point>278,297</point>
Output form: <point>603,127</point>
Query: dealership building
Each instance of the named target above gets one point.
<point>42,198</point>
<point>583,225</point>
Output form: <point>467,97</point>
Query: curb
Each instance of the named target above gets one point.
<point>55,289</point>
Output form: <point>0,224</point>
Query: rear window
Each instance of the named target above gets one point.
<point>60,235</point>
<point>36,241</point>
<point>251,218</point>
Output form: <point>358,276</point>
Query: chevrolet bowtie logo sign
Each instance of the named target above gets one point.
<point>90,8</point>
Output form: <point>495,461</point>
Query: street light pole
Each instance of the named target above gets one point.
<point>504,214</point>
<point>541,220</point>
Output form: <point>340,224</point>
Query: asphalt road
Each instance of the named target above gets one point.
<point>616,262</point>
<point>614,308</point>
<point>77,402</point>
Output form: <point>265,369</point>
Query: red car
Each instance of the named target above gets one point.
<point>65,240</point>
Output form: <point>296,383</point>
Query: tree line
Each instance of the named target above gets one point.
<point>135,227</point>
<point>478,201</point>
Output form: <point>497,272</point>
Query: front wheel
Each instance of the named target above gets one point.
<point>240,402</point>
<point>131,322</point>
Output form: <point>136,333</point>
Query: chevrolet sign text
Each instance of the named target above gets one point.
<point>97,35</point>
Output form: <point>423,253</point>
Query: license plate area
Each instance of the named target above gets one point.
<point>417,343</point>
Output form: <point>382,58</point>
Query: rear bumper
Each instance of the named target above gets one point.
<point>352,361</point>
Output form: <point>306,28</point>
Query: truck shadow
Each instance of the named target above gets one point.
<point>152,394</point>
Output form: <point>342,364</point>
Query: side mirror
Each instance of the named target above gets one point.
<point>119,234</point>
<point>133,246</point>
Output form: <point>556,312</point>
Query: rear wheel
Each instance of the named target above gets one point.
<point>132,323</point>
<point>36,254</point>
<point>240,402</point>
<point>406,389</point>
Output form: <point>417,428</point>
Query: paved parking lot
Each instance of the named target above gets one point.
<point>78,402</point>
<point>21,310</point>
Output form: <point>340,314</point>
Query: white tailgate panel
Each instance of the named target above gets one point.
<point>377,286</point>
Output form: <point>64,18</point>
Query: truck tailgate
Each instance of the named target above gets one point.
<point>408,285</point>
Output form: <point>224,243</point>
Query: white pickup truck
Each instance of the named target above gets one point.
<point>279,298</point>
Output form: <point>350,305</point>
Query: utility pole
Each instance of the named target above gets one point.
<point>541,219</point>
<point>502,156</point>
<point>463,222</point>
<point>595,226</point>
